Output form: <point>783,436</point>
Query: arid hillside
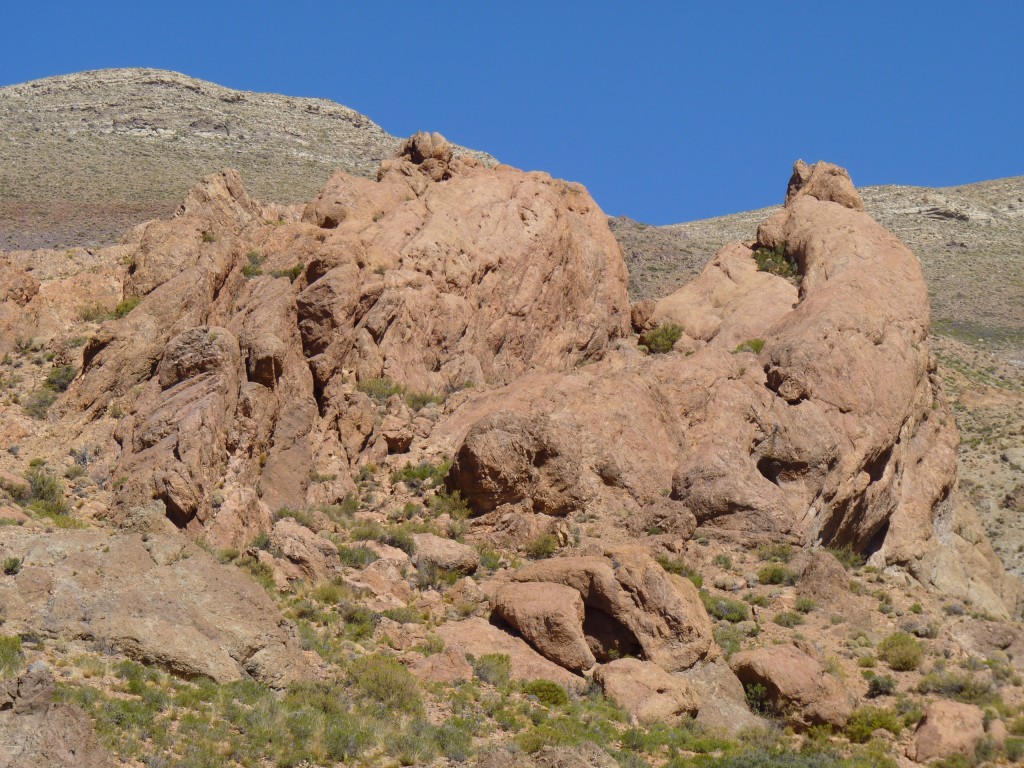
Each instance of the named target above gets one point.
<point>85,157</point>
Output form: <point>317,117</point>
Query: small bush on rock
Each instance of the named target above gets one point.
<point>901,651</point>
<point>663,338</point>
<point>548,693</point>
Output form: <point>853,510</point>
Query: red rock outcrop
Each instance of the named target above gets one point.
<point>238,365</point>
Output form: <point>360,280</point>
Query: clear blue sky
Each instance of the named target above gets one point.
<point>667,111</point>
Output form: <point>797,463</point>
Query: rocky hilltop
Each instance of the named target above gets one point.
<point>399,474</point>
<point>85,157</point>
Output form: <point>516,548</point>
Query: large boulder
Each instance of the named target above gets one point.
<point>550,618</point>
<point>152,596</point>
<point>444,554</point>
<point>793,681</point>
<point>630,607</point>
<point>646,691</point>
<point>37,732</point>
<point>948,728</point>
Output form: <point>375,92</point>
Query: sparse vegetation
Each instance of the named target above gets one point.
<point>776,261</point>
<point>750,345</point>
<point>901,651</point>
<point>662,339</point>
<point>126,306</point>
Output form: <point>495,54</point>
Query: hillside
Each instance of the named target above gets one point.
<point>84,157</point>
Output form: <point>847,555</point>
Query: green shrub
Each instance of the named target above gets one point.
<point>776,574</point>
<point>847,556</point>
<point>866,720</point>
<point>419,400</point>
<point>901,651</point>
<point>680,567</point>
<point>542,547</point>
<point>729,639</point>
<point>1014,749</point>
<point>724,608</point>
<point>126,306</point>
<point>722,561</point>
<point>292,274</point>
<point>959,686</point>
<point>356,557</point>
<point>750,345</point>
<point>60,378</point>
<point>775,553</point>
<point>452,504</point>
<point>455,739</point>
<point>493,668</point>
<point>663,338</point>
<point>12,565</point>
<point>384,681</point>
<point>93,313</point>
<point>419,475</point>
<point>379,389</point>
<point>776,261</point>
<point>805,604</point>
<point>548,693</point>
<point>788,619</point>
<point>11,655</point>
<point>38,403</point>
<point>881,685</point>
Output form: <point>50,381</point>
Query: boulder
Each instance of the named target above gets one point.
<point>550,618</point>
<point>35,732</point>
<point>475,637</point>
<point>723,702</point>
<point>445,554</point>
<point>646,691</point>
<point>795,682</point>
<point>631,607</point>
<point>948,728</point>
<point>446,667</point>
<point>313,557</point>
<point>152,596</point>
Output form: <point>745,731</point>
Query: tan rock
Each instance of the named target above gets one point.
<point>477,638</point>
<point>646,691</point>
<point>152,596</point>
<point>37,733</point>
<point>723,702</point>
<point>632,607</point>
<point>448,555</point>
<point>795,682</point>
<point>445,667</point>
<point>948,728</point>
<point>314,557</point>
<point>14,515</point>
<point>550,618</point>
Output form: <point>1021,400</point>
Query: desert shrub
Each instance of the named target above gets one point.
<point>680,567</point>
<point>881,685</point>
<point>960,686</point>
<point>761,601</point>
<point>729,639</point>
<point>847,556</point>
<point>542,547</point>
<point>901,651</point>
<point>455,739</point>
<point>46,492</point>
<point>12,565</point>
<point>548,693</point>
<point>419,400</point>
<point>383,680</point>
<point>11,656</point>
<point>866,720</point>
<point>1014,749</point>
<point>775,553</point>
<point>750,345</point>
<point>37,405</point>
<point>493,668</point>
<point>776,261</point>
<point>776,573</point>
<point>125,307</point>
<point>356,557</point>
<point>60,378</point>
<point>93,313</point>
<point>663,338</point>
<point>404,615</point>
<point>418,475</point>
<point>788,619</point>
<point>490,559</point>
<point>452,504</point>
<point>379,389</point>
<point>292,273</point>
<point>805,604</point>
<point>724,608</point>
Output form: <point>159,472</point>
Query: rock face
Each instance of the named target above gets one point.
<point>948,728</point>
<point>152,596</point>
<point>238,367</point>
<point>794,682</point>
<point>35,732</point>
<point>550,618</point>
<point>810,415</point>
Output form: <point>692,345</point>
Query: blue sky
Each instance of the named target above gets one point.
<point>667,111</point>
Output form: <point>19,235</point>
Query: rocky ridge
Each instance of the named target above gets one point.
<point>381,402</point>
